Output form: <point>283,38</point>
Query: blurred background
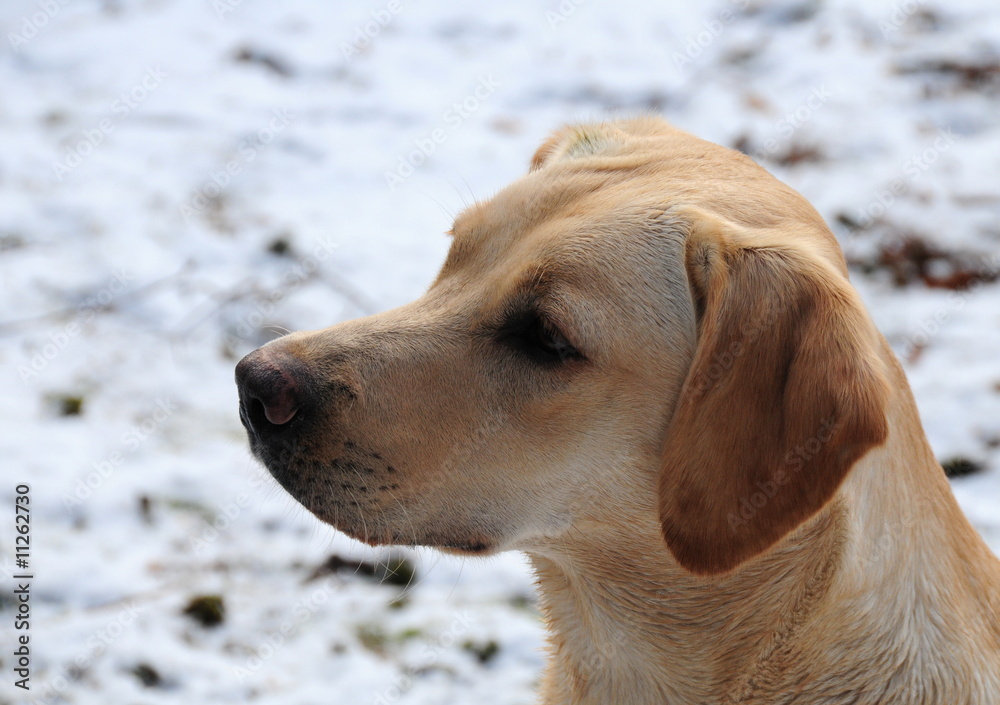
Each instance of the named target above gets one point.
<point>182,180</point>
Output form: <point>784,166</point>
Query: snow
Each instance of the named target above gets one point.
<point>131,279</point>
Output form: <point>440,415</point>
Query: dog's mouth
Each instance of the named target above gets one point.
<point>360,494</point>
<point>475,548</point>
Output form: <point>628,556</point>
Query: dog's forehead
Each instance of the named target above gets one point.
<point>568,219</point>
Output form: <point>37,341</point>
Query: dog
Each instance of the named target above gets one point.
<point>643,365</point>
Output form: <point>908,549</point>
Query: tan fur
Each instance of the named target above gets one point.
<point>727,496</point>
<point>798,359</point>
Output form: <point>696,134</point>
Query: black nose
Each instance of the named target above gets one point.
<point>270,387</point>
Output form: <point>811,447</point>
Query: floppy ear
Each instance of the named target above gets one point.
<point>785,393</point>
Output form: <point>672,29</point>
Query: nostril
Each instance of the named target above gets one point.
<point>269,393</point>
<point>282,408</point>
<point>256,414</point>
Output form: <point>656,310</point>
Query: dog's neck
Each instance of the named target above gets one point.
<point>874,585</point>
<point>628,625</point>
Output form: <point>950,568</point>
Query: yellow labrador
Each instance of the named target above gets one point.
<point>643,365</point>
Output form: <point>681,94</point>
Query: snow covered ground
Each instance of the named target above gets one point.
<point>181,179</point>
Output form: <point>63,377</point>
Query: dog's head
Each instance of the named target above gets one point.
<point>645,322</point>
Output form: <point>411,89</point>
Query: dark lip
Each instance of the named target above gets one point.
<point>279,459</point>
<point>471,548</point>
<point>251,434</point>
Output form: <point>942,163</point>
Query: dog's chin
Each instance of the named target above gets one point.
<point>472,548</point>
<point>451,545</point>
<point>364,530</point>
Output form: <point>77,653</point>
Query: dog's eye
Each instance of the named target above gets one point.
<point>540,340</point>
